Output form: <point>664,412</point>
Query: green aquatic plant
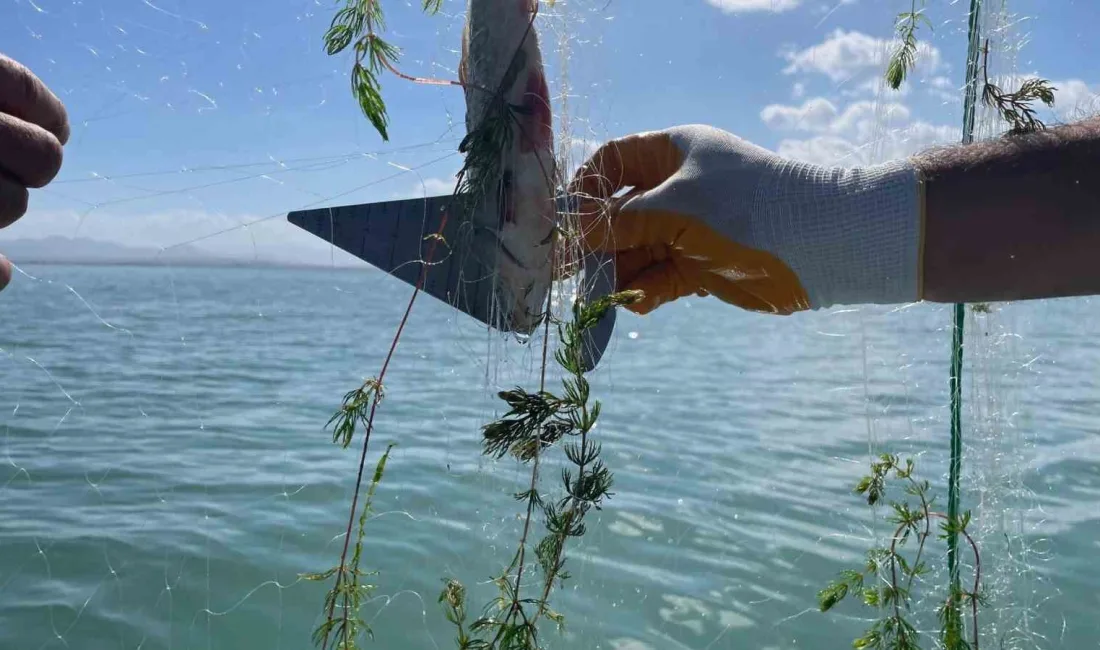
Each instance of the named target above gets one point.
<point>1016,107</point>
<point>905,53</point>
<point>357,24</point>
<point>348,590</point>
<point>481,175</point>
<point>535,422</point>
<point>887,581</point>
<point>891,596</point>
<point>355,410</point>
<point>357,413</point>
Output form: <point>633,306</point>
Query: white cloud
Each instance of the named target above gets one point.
<point>584,147</point>
<point>798,90</point>
<point>813,115</point>
<point>944,89</point>
<point>579,151</point>
<point>863,132</point>
<point>745,6</point>
<point>829,7</point>
<point>433,186</point>
<point>866,132</point>
<point>1074,100</point>
<point>862,121</point>
<point>890,145</point>
<point>875,87</point>
<point>858,120</point>
<point>847,54</point>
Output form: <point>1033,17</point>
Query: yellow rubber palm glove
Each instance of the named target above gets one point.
<point>708,213</point>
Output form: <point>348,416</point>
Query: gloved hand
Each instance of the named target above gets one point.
<point>33,128</point>
<point>708,213</point>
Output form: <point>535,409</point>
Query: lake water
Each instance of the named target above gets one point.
<point>165,475</point>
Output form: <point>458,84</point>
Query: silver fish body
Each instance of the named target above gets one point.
<point>501,62</point>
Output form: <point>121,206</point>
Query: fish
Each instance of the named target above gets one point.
<point>501,269</point>
<point>501,62</point>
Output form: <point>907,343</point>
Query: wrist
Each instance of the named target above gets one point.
<point>853,236</point>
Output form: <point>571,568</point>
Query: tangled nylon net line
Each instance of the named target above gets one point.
<point>193,347</point>
<point>1003,546</point>
<point>196,543</point>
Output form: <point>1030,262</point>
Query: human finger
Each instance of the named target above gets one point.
<point>23,95</point>
<point>618,227</point>
<point>28,153</point>
<point>660,284</point>
<point>631,263</point>
<point>744,278</point>
<point>13,201</point>
<point>5,272</point>
<point>752,295</point>
<point>677,278</point>
<point>749,278</point>
<point>641,160</point>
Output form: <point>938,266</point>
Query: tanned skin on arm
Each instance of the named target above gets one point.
<point>1014,218</point>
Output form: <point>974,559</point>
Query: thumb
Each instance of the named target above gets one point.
<point>641,161</point>
<point>5,272</point>
<point>636,221</point>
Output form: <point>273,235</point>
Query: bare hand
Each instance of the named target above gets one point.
<point>33,128</point>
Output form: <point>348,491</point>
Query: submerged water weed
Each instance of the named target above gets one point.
<point>905,54</point>
<point>533,423</point>
<point>357,24</point>
<point>892,575</point>
<point>886,581</point>
<point>355,411</point>
<point>480,177</point>
<point>535,420</point>
<point>1016,108</point>
<point>348,592</point>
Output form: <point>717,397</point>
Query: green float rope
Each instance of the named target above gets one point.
<point>969,109</point>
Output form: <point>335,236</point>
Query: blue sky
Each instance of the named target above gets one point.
<point>157,87</point>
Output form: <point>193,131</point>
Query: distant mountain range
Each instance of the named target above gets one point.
<point>64,250</point>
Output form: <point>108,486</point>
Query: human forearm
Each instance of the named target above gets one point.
<point>1013,218</point>
<point>709,213</point>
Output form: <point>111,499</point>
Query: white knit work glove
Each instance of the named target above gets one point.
<point>709,213</point>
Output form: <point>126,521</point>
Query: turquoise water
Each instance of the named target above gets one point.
<point>164,475</point>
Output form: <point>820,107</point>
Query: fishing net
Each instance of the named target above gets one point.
<point>166,475</point>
